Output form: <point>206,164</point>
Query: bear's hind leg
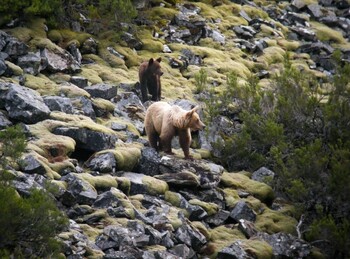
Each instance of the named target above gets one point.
<point>165,144</point>
<point>153,141</point>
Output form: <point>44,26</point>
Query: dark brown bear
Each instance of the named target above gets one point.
<point>149,76</point>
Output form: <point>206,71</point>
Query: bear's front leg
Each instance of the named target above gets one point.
<point>185,142</point>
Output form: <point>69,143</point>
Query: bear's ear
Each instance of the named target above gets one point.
<point>196,108</point>
<point>159,59</point>
<point>150,62</point>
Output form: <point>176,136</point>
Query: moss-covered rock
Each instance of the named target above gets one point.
<point>258,249</point>
<point>239,181</point>
<point>155,186</point>
<point>99,182</point>
<point>271,221</point>
<point>221,237</point>
<point>209,207</point>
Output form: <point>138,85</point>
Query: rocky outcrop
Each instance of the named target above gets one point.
<point>23,104</point>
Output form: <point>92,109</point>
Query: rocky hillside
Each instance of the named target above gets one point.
<point>75,93</point>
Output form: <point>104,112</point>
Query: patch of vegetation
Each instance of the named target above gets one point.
<point>301,132</point>
<point>30,224</point>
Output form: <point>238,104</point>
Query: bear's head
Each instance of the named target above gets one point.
<point>154,67</point>
<point>194,122</point>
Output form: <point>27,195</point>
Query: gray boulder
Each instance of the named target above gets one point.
<point>79,81</point>
<point>78,191</point>
<point>263,174</point>
<point>4,121</point>
<point>242,211</point>
<point>234,251</point>
<point>3,67</point>
<point>104,91</point>
<point>286,246</point>
<point>58,103</point>
<point>57,62</point>
<point>23,104</point>
<point>14,48</point>
<point>30,63</point>
<point>32,165</point>
<point>103,163</point>
<point>88,139</point>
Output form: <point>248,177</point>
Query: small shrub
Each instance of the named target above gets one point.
<point>201,80</point>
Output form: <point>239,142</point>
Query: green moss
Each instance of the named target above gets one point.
<point>90,232</point>
<point>107,56</point>
<point>155,186</point>
<point>42,84</point>
<point>231,197</point>
<point>272,55</point>
<point>221,237</point>
<point>55,36</point>
<point>127,155</point>
<point>258,249</point>
<point>100,182</point>
<point>97,215</point>
<point>255,12</point>
<point>103,104</point>
<point>68,36</point>
<point>16,70</point>
<point>325,33</point>
<point>210,208</point>
<point>173,198</point>
<point>288,45</point>
<point>201,228</point>
<point>124,184</point>
<point>239,181</point>
<point>271,221</point>
<point>158,13</point>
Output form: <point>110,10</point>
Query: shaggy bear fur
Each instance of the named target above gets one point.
<point>163,122</point>
<point>149,77</point>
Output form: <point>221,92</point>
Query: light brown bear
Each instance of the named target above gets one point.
<point>163,122</point>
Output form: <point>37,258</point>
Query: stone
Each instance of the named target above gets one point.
<point>104,91</point>
<point>132,41</point>
<point>191,237</point>
<point>242,211</point>
<point>57,103</point>
<point>75,52</point>
<point>3,67</point>
<point>56,62</point>
<point>103,163</point>
<point>84,105</point>
<point>218,218</point>
<point>194,173</point>
<point>78,191</point>
<point>286,246</point>
<point>88,139</point>
<point>14,48</point>
<point>32,165</point>
<point>79,81</point>
<point>106,200</point>
<point>4,121</point>
<point>89,46</point>
<point>24,183</point>
<point>234,251</point>
<point>149,162</point>
<point>315,10</point>
<point>23,104</point>
<point>30,63</point>
<point>263,174</point>
<point>115,53</point>
<point>247,228</point>
<point>130,107</point>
